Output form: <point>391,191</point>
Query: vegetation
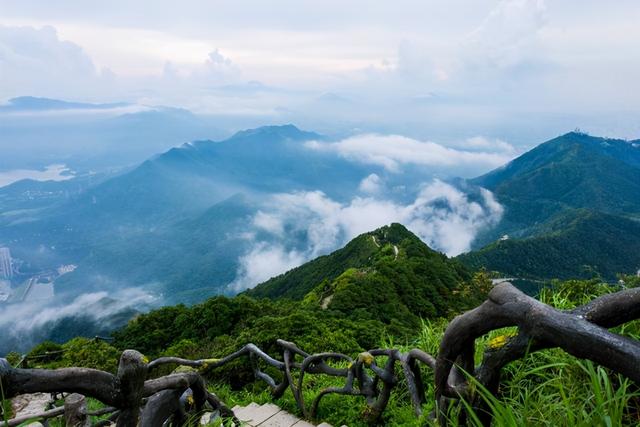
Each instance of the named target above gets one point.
<point>608,245</point>
<point>572,210</point>
<point>392,252</point>
<point>391,291</point>
<point>548,387</point>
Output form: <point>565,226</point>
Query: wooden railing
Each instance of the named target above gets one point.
<point>133,398</point>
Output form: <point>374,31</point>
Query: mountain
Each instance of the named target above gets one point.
<point>572,171</point>
<point>37,132</point>
<point>572,206</point>
<point>389,267</point>
<point>31,103</point>
<point>186,261</point>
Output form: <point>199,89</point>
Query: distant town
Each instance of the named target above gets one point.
<point>18,287</point>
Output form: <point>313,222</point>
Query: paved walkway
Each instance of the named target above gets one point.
<point>270,415</point>
<point>30,404</point>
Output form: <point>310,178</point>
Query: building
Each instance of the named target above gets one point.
<point>6,266</point>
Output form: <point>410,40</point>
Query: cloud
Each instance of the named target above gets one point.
<point>26,323</point>
<point>37,61</point>
<point>372,184</point>
<point>393,151</point>
<point>263,262</point>
<point>301,226</point>
<point>480,143</point>
<point>506,34</point>
<point>511,69</point>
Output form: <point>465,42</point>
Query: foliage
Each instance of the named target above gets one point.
<point>83,352</point>
<point>398,280</point>
<point>13,358</point>
<point>46,352</point>
<point>373,251</point>
<point>571,210</point>
<point>546,388</point>
<point>579,244</point>
<point>549,387</point>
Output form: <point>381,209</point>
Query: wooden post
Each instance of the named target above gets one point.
<point>75,411</point>
<point>132,372</point>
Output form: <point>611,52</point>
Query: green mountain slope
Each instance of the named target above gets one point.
<point>578,244</point>
<point>572,171</point>
<point>571,206</point>
<point>389,268</point>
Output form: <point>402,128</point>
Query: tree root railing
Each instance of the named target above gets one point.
<point>582,332</point>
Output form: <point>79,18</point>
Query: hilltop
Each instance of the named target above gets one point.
<point>389,266</point>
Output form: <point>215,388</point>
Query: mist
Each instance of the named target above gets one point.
<point>293,228</point>
<point>26,324</point>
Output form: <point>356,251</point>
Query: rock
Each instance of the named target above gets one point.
<point>209,417</point>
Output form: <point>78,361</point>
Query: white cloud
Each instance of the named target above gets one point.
<point>505,35</point>
<point>269,223</point>
<point>37,61</point>
<point>421,68</point>
<point>263,262</point>
<point>27,321</point>
<point>443,216</point>
<point>392,151</point>
<point>372,184</point>
<point>480,143</point>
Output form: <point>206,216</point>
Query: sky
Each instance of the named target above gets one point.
<point>510,69</point>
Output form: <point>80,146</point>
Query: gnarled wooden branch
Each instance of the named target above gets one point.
<point>581,332</point>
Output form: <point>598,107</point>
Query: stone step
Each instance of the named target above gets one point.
<point>269,415</point>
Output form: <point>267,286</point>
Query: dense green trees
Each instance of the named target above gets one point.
<point>578,244</point>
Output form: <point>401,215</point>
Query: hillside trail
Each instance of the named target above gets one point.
<point>395,248</point>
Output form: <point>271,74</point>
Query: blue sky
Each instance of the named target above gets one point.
<point>518,70</point>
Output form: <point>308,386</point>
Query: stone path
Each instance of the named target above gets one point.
<point>270,415</point>
<point>30,404</point>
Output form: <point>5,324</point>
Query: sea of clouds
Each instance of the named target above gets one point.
<point>445,217</point>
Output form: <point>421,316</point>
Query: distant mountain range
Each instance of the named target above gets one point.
<point>32,103</point>
<point>37,132</point>
<point>178,225</point>
<point>172,224</point>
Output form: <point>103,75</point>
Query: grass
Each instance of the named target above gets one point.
<point>5,407</point>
